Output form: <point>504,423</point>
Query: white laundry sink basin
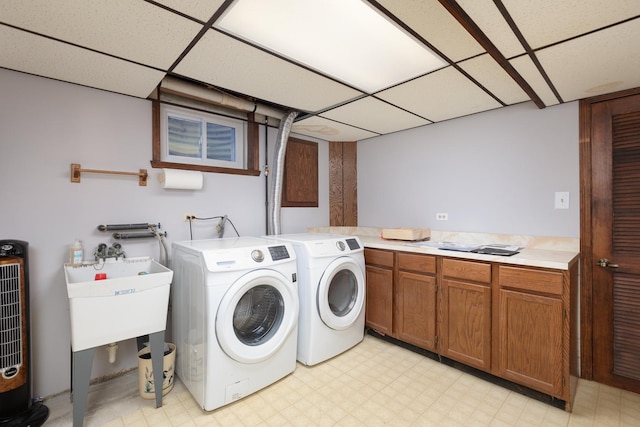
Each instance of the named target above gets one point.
<point>132,301</point>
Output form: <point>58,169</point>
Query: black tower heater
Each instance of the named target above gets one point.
<point>16,408</point>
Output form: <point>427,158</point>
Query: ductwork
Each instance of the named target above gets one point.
<point>275,198</point>
<point>190,90</point>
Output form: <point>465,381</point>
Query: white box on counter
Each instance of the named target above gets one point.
<point>410,234</point>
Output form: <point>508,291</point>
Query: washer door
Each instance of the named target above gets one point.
<point>340,297</point>
<point>256,316</point>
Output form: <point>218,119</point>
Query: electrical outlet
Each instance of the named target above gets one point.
<point>442,216</point>
<point>189,217</point>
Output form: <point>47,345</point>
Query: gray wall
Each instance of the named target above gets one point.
<point>494,172</point>
<point>45,126</point>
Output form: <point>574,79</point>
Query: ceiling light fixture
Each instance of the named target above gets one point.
<point>346,39</point>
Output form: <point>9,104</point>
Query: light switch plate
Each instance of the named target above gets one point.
<point>562,200</point>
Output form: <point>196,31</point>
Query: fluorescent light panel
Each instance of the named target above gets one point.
<point>345,39</point>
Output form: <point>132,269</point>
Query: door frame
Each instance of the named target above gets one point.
<point>586,235</point>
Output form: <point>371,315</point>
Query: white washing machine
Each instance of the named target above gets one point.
<point>331,288</point>
<point>235,314</point>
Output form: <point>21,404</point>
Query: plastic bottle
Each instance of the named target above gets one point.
<point>76,253</point>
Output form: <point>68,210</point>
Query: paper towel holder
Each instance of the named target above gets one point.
<point>180,179</point>
<point>76,170</point>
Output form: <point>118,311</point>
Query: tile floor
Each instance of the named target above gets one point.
<point>375,383</point>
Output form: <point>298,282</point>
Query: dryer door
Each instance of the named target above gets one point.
<point>256,315</point>
<point>340,297</point>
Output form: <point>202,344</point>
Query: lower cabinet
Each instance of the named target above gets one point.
<point>415,300</point>
<point>379,290</point>
<point>533,325</point>
<point>465,325</point>
<point>514,322</point>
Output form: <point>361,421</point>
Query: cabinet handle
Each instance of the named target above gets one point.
<point>603,262</point>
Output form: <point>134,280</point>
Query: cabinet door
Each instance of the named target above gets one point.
<point>530,340</point>
<point>379,308</point>
<point>416,309</point>
<point>466,323</point>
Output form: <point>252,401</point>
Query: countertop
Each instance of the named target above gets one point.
<point>531,257</point>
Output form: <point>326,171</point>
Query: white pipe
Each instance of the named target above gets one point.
<point>112,349</point>
<point>277,172</point>
<point>180,87</point>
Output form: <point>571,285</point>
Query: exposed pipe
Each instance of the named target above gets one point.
<point>137,235</point>
<point>266,173</point>
<point>278,166</point>
<point>114,227</point>
<point>180,87</point>
<point>112,349</point>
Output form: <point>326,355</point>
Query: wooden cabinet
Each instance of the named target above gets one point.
<point>515,322</point>
<point>465,323</point>
<point>533,329</point>
<point>415,300</point>
<point>379,292</point>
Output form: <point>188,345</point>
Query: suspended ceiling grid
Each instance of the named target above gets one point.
<point>497,53</point>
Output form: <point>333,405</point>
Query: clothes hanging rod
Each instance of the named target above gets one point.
<point>76,170</point>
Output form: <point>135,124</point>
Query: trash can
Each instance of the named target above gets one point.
<point>145,371</point>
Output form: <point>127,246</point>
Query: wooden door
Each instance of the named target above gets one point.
<point>530,340</point>
<point>613,260</point>
<point>379,301</point>
<point>416,309</point>
<point>466,323</point>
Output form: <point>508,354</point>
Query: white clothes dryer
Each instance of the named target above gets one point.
<point>235,313</point>
<point>331,288</point>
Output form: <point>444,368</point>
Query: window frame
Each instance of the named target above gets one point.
<point>204,119</point>
<point>251,154</point>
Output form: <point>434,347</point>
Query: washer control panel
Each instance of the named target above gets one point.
<point>279,252</point>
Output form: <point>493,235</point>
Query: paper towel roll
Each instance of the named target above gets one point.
<point>181,179</point>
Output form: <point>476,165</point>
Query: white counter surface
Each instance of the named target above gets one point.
<point>546,258</point>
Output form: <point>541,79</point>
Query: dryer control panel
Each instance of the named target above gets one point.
<point>353,244</point>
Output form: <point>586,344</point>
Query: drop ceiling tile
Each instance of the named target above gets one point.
<point>493,77</point>
<point>133,30</point>
<point>375,115</point>
<point>487,16</point>
<point>528,70</point>
<point>435,24</point>
<point>234,65</point>
<point>441,95</point>
<point>543,22</point>
<point>50,58</point>
<point>329,130</point>
<point>595,64</point>
<point>199,9</point>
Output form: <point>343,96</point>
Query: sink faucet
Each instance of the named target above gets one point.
<point>115,251</point>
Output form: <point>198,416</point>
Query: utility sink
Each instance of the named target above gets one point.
<point>130,302</point>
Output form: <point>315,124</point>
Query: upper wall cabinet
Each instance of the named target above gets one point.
<point>300,175</point>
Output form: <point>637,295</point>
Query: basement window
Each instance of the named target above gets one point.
<point>199,138</point>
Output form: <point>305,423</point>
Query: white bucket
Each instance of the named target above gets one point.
<point>145,373</point>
